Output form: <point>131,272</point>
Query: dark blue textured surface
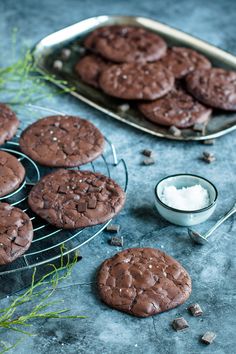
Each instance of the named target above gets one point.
<point>212,268</point>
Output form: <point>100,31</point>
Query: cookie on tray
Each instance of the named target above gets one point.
<point>125,44</point>
<point>143,282</point>
<point>16,233</point>
<point>177,108</point>
<point>12,173</point>
<point>90,67</point>
<point>136,81</point>
<point>8,123</point>
<point>214,87</point>
<point>72,199</point>
<point>181,61</point>
<point>62,141</point>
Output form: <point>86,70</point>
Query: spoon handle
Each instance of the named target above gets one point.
<point>221,220</point>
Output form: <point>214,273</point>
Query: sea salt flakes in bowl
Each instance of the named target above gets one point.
<point>185,199</point>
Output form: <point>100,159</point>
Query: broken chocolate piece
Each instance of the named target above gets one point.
<point>113,228</point>
<point>117,241</point>
<point>82,207</point>
<point>208,337</point>
<point>209,142</point>
<point>147,152</point>
<point>200,127</point>
<point>195,310</point>
<point>148,161</point>
<point>92,203</point>
<point>208,157</point>
<point>180,324</point>
<point>175,131</point>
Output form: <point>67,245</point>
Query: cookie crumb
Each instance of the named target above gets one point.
<point>200,127</point>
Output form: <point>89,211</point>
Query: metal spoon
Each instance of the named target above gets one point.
<point>202,239</point>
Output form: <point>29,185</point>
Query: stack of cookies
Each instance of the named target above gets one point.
<point>173,86</point>
<point>66,198</point>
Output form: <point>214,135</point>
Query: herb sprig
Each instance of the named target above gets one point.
<point>40,293</point>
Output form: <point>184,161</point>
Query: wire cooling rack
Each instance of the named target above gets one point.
<point>50,243</point>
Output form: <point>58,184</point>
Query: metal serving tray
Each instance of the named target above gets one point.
<point>50,48</point>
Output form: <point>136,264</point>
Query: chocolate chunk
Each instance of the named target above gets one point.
<point>148,161</point>
<point>117,241</point>
<point>180,324</point>
<point>208,157</point>
<point>208,337</point>
<point>209,142</point>
<point>92,203</point>
<point>113,228</point>
<point>195,310</point>
<point>82,207</point>
<point>175,131</point>
<point>147,152</point>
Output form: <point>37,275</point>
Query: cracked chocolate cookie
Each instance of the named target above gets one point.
<point>8,123</point>
<point>16,233</point>
<point>71,199</point>
<point>136,81</point>
<point>181,61</point>
<point>12,173</point>
<point>89,69</point>
<point>215,87</point>
<point>62,141</point>
<point>143,282</point>
<point>125,44</point>
<point>176,108</point>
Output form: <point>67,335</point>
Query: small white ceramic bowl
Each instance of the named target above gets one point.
<point>185,217</point>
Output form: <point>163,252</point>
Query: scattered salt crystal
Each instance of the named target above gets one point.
<point>187,198</point>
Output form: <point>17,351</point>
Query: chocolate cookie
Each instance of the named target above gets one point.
<point>8,123</point>
<point>143,282</point>
<point>16,233</point>
<point>62,141</point>
<point>125,44</point>
<point>181,61</point>
<point>214,87</point>
<point>71,199</point>
<point>12,173</point>
<point>136,81</point>
<point>176,108</point>
<point>89,69</point>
